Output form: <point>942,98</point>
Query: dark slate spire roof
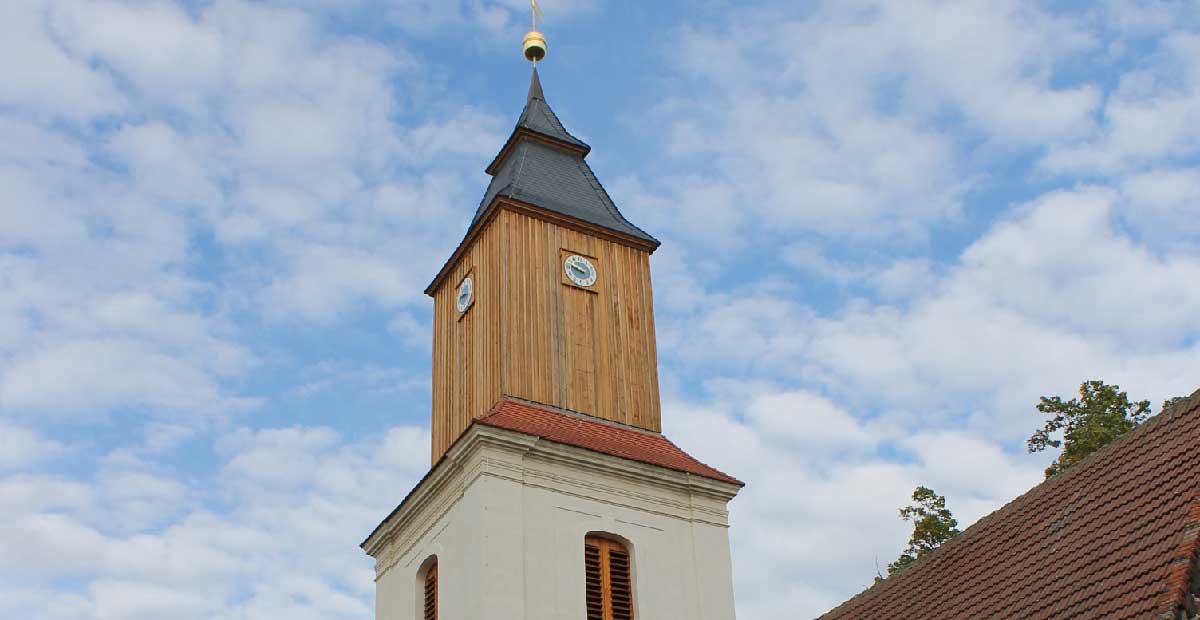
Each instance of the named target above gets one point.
<point>538,117</point>
<point>547,170</point>
<point>541,164</point>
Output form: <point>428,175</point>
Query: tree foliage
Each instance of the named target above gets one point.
<point>1171,402</point>
<point>932,525</point>
<point>1100,415</point>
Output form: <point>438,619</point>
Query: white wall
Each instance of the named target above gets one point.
<point>507,520</point>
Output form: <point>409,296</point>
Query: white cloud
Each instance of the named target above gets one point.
<point>238,130</point>
<point>184,183</point>
<point>1052,295</point>
<point>299,500</point>
<point>96,375</point>
<point>818,514</point>
<point>124,600</point>
<point>807,421</point>
<point>1146,121</point>
<point>43,603</point>
<point>492,17</point>
<point>325,280</point>
<point>137,500</point>
<point>1163,204</point>
<point>52,83</point>
<point>38,493</point>
<point>938,391</point>
<point>21,448</point>
<point>972,469</point>
<point>833,118</point>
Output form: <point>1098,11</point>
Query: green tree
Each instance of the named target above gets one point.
<point>1171,402</point>
<point>932,525</point>
<point>1100,415</point>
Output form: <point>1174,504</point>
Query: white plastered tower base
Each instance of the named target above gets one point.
<point>505,514</point>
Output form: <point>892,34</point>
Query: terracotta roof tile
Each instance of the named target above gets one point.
<point>1116,536</point>
<point>577,430</point>
<point>608,438</point>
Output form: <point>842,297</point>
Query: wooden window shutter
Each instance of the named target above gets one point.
<point>609,585</point>
<point>595,583</point>
<point>431,587</point>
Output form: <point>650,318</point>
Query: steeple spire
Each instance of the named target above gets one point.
<point>535,88</point>
<point>541,166</point>
<point>540,119</point>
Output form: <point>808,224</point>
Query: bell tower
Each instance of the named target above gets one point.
<point>548,296</point>
<point>553,493</point>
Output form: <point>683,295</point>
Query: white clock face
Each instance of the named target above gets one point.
<point>580,270</point>
<point>466,292</point>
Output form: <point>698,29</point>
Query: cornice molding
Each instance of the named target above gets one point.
<point>530,461</point>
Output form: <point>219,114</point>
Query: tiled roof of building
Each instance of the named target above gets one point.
<point>559,181</point>
<point>580,431</point>
<point>1115,537</point>
<point>598,436</point>
<point>551,174</point>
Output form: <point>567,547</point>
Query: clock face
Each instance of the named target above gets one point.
<point>466,292</point>
<point>580,270</point>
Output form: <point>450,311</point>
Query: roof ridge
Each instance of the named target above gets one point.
<point>513,183</point>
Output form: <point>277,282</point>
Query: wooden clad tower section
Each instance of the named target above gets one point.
<point>466,346</point>
<point>531,334</point>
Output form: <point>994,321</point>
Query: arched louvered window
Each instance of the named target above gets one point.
<point>609,582</point>
<point>431,585</point>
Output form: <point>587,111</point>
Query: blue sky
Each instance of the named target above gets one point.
<point>887,229</point>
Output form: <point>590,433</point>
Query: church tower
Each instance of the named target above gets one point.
<point>553,493</point>
<point>547,298</point>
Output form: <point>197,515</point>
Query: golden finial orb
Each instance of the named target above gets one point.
<point>535,46</point>
<point>535,42</point>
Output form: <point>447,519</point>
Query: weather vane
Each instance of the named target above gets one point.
<point>535,42</point>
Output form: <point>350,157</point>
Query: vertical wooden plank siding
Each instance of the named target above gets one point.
<point>530,336</point>
<point>466,348</point>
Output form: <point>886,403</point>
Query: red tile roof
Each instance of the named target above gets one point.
<point>592,434</point>
<point>577,430</point>
<point>1113,537</point>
